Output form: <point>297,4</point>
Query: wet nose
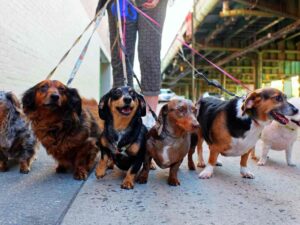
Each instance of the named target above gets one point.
<point>295,110</point>
<point>195,124</point>
<point>54,97</point>
<point>127,99</point>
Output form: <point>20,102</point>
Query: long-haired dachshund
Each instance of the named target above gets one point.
<point>66,125</point>
<point>171,138</point>
<point>233,127</point>
<point>123,139</point>
<point>17,140</point>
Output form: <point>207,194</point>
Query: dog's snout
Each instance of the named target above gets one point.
<point>195,124</point>
<point>54,97</point>
<point>127,99</point>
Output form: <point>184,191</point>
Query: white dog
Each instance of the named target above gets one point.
<point>281,137</point>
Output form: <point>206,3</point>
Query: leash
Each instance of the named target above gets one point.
<point>122,42</point>
<point>99,15</point>
<point>212,83</point>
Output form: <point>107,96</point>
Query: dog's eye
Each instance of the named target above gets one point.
<point>117,94</point>
<point>61,89</point>
<point>44,88</point>
<point>279,98</point>
<point>132,93</point>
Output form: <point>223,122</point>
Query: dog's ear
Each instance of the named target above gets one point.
<point>161,119</point>
<point>14,100</point>
<point>251,101</point>
<point>142,105</point>
<point>74,101</point>
<point>103,109</point>
<point>28,100</point>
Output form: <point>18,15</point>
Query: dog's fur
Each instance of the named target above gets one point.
<point>232,128</point>
<point>67,125</point>
<point>171,139</point>
<point>17,140</point>
<point>281,137</point>
<point>123,139</point>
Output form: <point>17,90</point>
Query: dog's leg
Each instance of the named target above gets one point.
<point>264,154</point>
<point>61,168</point>
<point>201,162</point>
<point>244,170</point>
<point>102,165</point>
<point>3,162</point>
<point>24,166</point>
<point>208,170</point>
<point>253,155</point>
<point>143,176</point>
<point>110,164</point>
<point>194,141</point>
<point>288,155</point>
<point>128,182</point>
<point>173,180</point>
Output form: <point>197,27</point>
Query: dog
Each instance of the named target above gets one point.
<point>232,128</point>
<point>17,140</point>
<point>281,137</point>
<point>123,139</point>
<point>67,125</point>
<point>169,141</point>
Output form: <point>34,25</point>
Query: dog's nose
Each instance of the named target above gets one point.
<point>54,97</point>
<point>295,110</point>
<point>127,100</point>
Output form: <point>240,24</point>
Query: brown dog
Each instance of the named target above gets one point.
<point>170,140</point>
<point>66,125</point>
<point>233,127</point>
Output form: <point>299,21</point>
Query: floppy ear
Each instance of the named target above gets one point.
<point>161,119</point>
<point>142,105</point>
<point>28,100</point>
<point>103,107</point>
<point>74,101</point>
<point>14,100</point>
<point>251,100</point>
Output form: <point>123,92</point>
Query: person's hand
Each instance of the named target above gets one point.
<point>151,4</point>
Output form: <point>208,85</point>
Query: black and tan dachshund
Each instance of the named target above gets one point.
<point>123,139</point>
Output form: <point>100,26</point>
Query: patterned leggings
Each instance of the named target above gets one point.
<point>149,45</point>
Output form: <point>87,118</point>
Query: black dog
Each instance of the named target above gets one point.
<point>123,139</point>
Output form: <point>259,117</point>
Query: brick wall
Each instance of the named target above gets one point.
<point>36,33</point>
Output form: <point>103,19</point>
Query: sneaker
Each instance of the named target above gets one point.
<point>148,121</point>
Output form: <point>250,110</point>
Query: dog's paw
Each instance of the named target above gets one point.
<point>261,162</point>
<point>152,166</point>
<point>191,165</point>
<point>60,169</point>
<point>80,174</point>
<point>127,184</point>
<point>25,170</point>
<point>207,172</point>
<point>201,164</point>
<point>246,173</point>
<point>291,164</point>
<point>142,179</point>
<point>100,173</point>
<point>173,181</point>
<point>219,163</point>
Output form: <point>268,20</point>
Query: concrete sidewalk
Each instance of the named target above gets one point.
<point>40,197</point>
<point>43,197</point>
<point>273,197</point>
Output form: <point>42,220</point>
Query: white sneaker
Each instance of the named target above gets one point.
<point>148,121</point>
